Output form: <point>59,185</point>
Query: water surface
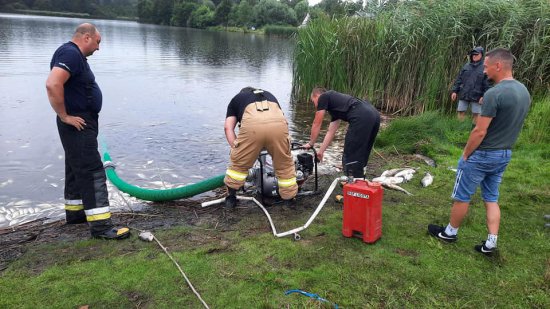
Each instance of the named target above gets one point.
<point>165,93</point>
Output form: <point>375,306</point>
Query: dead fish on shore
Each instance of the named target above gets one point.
<point>428,160</point>
<point>392,180</point>
<point>406,174</point>
<point>389,173</point>
<point>427,180</point>
<point>395,187</point>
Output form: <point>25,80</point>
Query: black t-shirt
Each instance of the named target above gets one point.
<point>82,94</point>
<point>239,102</point>
<point>336,104</point>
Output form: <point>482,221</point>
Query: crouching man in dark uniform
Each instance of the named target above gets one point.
<point>76,98</point>
<point>364,122</point>
<point>262,126</point>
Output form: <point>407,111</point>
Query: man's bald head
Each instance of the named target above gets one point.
<point>83,29</point>
<point>87,38</point>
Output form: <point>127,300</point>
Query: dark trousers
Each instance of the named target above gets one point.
<point>364,123</point>
<point>84,173</point>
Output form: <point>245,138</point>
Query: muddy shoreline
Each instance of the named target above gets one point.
<point>15,241</point>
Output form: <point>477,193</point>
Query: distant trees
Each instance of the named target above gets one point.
<point>221,14</point>
<point>202,17</point>
<point>96,8</point>
<point>182,12</point>
<point>273,12</point>
<point>239,13</point>
<point>197,13</point>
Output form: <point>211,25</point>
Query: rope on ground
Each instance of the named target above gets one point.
<point>148,236</point>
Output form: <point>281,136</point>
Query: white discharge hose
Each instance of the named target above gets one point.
<point>290,232</point>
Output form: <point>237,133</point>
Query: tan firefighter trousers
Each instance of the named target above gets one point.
<point>263,126</point>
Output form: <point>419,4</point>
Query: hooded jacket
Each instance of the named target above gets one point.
<point>471,83</point>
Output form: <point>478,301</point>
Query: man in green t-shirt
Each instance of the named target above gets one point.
<point>489,149</point>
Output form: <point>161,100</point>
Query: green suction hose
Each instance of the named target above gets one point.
<point>159,195</point>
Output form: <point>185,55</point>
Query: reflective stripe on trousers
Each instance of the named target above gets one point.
<point>266,129</point>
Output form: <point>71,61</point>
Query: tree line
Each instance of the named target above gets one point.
<point>194,13</point>
<point>93,8</point>
<point>239,13</point>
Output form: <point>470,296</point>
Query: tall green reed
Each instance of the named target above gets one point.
<point>406,57</point>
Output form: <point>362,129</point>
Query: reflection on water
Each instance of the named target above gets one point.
<point>165,95</point>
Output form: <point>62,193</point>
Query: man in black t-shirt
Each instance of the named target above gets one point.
<point>364,122</point>
<point>262,126</point>
<point>76,98</point>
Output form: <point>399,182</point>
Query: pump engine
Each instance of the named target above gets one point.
<point>261,177</point>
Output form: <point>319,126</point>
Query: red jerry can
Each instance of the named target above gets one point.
<point>363,210</point>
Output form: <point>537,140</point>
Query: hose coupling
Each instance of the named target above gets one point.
<point>109,164</point>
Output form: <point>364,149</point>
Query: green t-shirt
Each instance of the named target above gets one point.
<point>507,103</point>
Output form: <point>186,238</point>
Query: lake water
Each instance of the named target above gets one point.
<point>165,94</point>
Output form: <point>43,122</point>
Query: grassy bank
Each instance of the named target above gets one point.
<point>235,262</point>
<point>286,31</point>
<point>406,57</point>
<point>237,29</point>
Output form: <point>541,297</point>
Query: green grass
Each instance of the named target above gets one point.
<point>247,267</point>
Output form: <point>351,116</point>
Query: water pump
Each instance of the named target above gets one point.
<point>261,177</point>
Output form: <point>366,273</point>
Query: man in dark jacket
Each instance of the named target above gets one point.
<point>470,85</point>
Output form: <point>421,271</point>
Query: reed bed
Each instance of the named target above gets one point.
<point>286,31</point>
<point>405,58</point>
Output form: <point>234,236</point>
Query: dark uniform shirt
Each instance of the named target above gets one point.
<point>239,102</point>
<point>336,104</point>
<point>82,94</point>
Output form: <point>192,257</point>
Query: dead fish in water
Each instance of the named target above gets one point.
<point>427,180</point>
<point>428,160</point>
<point>395,187</point>
<point>5,183</point>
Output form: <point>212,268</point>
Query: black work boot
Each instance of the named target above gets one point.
<point>231,199</point>
<point>113,233</point>
<point>291,203</point>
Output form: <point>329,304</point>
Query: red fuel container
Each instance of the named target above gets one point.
<point>363,210</point>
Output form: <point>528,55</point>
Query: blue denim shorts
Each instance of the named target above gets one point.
<point>474,106</point>
<point>483,168</point>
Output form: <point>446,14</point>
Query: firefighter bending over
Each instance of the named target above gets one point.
<point>262,125</point>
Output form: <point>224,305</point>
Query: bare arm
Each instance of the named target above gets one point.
<point>316,127</point>
<point>55,86</point>
<point>333,126</point>
<point>476,136</point>
<point>229,127</point>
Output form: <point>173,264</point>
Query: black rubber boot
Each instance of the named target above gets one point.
<point>114,233</point>
<point>231,199</point>
<point>290,203</point>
